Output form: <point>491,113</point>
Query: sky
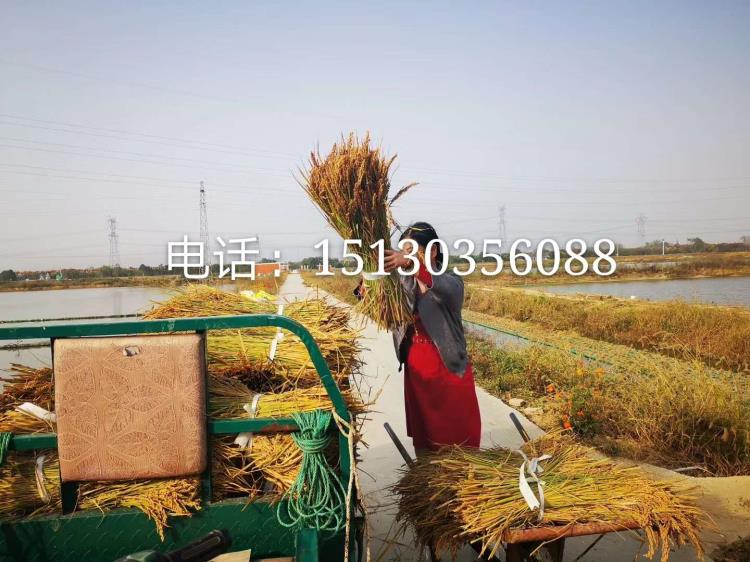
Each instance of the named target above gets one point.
<point>577,117</point>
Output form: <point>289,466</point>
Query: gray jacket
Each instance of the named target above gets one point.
<point>440,311</point>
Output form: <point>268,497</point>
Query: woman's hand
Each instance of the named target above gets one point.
<point>395,259</point>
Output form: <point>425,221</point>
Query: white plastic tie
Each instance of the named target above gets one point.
<point>277,337</point>
<point>41,481</point>
<point>244,440</point>
<point>532,468</point>
<point>37,412</point>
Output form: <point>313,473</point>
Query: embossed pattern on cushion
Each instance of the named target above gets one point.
<point>130,406</point>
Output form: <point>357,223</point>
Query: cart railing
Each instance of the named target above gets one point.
<point>24,442</point>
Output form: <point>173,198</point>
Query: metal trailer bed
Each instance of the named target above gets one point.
<point>97,536</point>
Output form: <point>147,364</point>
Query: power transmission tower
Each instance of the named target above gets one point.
<point>501,222</point>
<point>204,223</point>
<point>114,249</point>
<point>640,222</point>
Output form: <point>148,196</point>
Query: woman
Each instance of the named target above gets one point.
<point>439,393</point>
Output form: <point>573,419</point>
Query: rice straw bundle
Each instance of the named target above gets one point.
<point>272,459</point>
<point>459,495</point>
<point>350,186</point>
<point>227,398</point>
<point>158,499</point>
<point>14,421</point>
<point>202,300</point>
<point>232,471</point>
<point>28,487</point>
<point>248,350</point>
<point>27,384</point>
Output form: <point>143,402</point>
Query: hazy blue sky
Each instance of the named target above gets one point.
<point>577,116</point>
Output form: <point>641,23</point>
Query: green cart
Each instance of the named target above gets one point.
<point>96,536</point>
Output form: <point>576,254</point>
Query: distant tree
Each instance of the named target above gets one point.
<point>8,275</point>
<point>697,244</point>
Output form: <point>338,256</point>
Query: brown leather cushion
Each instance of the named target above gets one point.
<point>130,406</point>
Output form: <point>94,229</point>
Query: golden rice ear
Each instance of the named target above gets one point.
<point>402,191</point>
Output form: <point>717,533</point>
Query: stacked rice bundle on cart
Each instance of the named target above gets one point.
<point>245,378</point>
<point>459,496</point>
<point>249,374</point>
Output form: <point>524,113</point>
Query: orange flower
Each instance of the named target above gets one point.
<point>567,425</point>
<point>580,413</point>
<point>550,388</point>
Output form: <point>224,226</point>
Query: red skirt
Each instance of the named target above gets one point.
<point>441,407</point>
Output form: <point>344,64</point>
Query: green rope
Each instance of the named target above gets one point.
<point>5,439</point>
<point>317,498</point>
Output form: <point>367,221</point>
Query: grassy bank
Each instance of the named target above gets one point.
<point>719,336</point>
<point>49,285</point>
<point>636,404</point>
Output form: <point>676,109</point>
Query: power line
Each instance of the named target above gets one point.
<point>201,145</point>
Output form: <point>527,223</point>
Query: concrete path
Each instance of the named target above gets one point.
<point>380,462</point>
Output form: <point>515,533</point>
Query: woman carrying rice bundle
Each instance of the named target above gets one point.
<point>439,392</point>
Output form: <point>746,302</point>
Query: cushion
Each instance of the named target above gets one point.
<point>130,406</point>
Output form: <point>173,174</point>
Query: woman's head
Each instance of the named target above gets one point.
<point>422,233</point>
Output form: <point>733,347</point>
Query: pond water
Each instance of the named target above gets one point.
<point>66,303</point>
<point>715,290</point>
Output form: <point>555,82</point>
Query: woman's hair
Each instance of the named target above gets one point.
<point>422,233</point>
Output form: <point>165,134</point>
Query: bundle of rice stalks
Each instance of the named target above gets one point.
<point>27,384</point>
<point>14,421</point>
<point>232,471</point>
<point>228,398</point>
<point>158,499</point>
<point>202,300</point>
<point>458,496</point>
<point>269,464</point>
<point>29,485</point>
<point>250,350</point>
<point>350,186</point>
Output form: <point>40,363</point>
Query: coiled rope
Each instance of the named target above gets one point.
<point>5,439</point>
<point>317,498</point>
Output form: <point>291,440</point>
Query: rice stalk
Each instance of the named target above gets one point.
<point>350,186</point>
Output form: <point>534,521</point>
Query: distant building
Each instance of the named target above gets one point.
<point>262,269</point>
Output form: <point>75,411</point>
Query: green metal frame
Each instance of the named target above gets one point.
<point>107,536</point>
